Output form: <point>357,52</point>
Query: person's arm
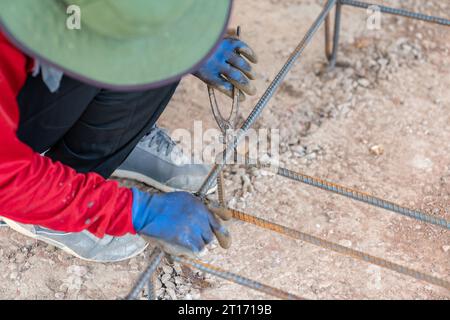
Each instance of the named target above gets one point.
<point>35,190</point>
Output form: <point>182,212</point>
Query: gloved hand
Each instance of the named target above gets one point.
<point>177,218</point>
<point>227,67</point>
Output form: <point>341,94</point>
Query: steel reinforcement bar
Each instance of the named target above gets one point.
<point>262,223</point>
<point>236,278</point>
<point>146,276</point>
<point>398,12</point>
<point>158,254</point>
<point>358,195</point>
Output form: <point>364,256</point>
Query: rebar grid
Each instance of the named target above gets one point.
<point>331,52</point>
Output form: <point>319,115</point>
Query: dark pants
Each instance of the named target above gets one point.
<point>87,128</point>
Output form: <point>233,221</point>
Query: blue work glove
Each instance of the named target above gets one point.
<point>227,68</point>
<point>177,218</point>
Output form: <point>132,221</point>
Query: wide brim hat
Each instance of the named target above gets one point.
<point>118,44</point>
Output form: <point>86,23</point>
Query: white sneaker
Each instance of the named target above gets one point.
<point>158,162</point>
<point>85,245</point>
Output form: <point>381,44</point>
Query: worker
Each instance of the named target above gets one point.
<point>79,101</point>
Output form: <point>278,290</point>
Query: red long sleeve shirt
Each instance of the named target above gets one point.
<point>35,190</point>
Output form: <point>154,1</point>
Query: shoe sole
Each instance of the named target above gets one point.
<point>22,230</point>
<point>126,174</point>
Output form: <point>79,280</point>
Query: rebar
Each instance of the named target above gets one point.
<point>237,278</point>
<point>229,150</point>
<point>336,33</point>
<point>151,292</point>
<point>155,260</point>
<point>398,12</point>
<point>363,197</point>
<point>328,42</point>
<point>220,191</point>
<point>338,248</point>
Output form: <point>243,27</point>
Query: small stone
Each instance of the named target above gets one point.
<point>59,295</point>
<point>20,257</point>
<point>383,62</point>
<point>171,293</point>
<point>177,268</point>
<point>236,178</point>
<point>134,265</point>
<point>76,270</point>
<point>311,156</point>
<point>165,277</point>
<point>169,284</point>
<point>364,82</point>
<point>157,284</point>
<point>345,243</point>
<point>255,172</point>
<point>183,289</point>
<point>446,248</point>
<point>167,269</point>
<point>160,292</point>
<point>179,280</point>
<point>376,150</point>
<point>299,150</point>
<point>247,184</point>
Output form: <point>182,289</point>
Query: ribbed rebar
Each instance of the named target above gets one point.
<point>155,260</point>
<point>338,248</point>
<point>237,278</point>
<point>212,176</point>
<point>151,292</point>
<point>398,12</point>
<point>336,35</point>
<point>361,196</point>
<point>328,42</point>
<point>220,191</point>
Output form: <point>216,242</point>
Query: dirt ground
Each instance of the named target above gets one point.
<point>378,124</point>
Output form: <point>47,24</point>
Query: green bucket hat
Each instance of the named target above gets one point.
<point>120,44</point>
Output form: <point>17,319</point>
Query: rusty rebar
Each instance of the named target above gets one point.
<point>299,235</point>
<point>237,278</point>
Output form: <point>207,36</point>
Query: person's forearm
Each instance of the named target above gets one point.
<point>36,191</point>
